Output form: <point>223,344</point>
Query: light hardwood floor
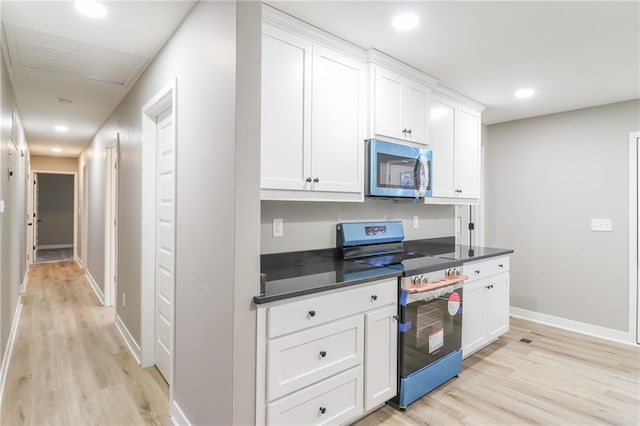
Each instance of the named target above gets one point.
<point>70,365</point>
<point>561,378</point>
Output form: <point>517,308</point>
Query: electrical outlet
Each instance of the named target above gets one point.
<point>601,225</point>
<point>278,227</point>
<point>416,222</point>
<point>124,300</point>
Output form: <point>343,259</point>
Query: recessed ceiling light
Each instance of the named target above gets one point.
<point>405,22</point>
<point>91,8</point>
<point>525,93</point>
<point>60,128</point>
<point>56,149</point>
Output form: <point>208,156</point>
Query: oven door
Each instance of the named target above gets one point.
<point>429,329</point>
<point>397,170</point>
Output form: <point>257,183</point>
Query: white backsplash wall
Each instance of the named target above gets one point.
<point>312,225</point>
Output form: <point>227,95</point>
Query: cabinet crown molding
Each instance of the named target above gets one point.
<point>294,25</point>
<point>457,97</point>
<point>377,57</point>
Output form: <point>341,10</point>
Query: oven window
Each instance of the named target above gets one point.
<point>436,331</point>
<point>396,172</point>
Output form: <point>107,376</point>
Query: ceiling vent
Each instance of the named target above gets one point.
<point>32,49</point>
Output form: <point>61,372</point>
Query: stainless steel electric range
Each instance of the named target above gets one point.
<point>430,299</point>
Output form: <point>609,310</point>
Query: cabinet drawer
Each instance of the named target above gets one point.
<point>306,357</point>
<point>313,311</point>
<point>334,401</point>
<point>486,268</point>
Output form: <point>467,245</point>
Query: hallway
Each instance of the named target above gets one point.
<point>69,365</point>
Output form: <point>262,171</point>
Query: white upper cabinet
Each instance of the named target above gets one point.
<point>443,131</point>
<point>313,120</point>
<point>286,110</point>
<point>338,117</point>
<point>467,154</point>
<point>455,140</point>
<point>400,106</point>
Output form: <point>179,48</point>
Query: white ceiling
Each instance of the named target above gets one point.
<point>53,51</point>
<point>574,54</point>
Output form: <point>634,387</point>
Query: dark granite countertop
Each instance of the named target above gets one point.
<point>286,275</point>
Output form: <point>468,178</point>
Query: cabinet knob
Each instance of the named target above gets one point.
<point>374,297</point>
<point>409,131</point>
<point>500,265</point>
<point>323,354</point>
<point>395,318</point>
<point>308,179</point>
<point>404,130</point>
<point>316,180</point>
<point>477,271</point>
<point>323,410</point>
<point>312,313</point>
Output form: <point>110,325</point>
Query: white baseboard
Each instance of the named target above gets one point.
<point>55,246</point>
<point>575,326</point>
<point>78,261</point>
<point>6,359</point>
<point>177,415</point>
<point>94,286</point>
<point>25,280</point>
<point>131,343</point>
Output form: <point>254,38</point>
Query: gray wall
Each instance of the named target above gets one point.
<point>546,177</point>
<point>312,225</point>
<point>12,191</point>
<point>55,209</point>
<point>214,322</point>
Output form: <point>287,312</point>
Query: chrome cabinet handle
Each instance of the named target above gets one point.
<point>316,180</point>
<point>409,131</point>
<point>374,297</point>
<point>477,271</point>
<point>323,410</point>
<point>308,179</point>
<point>312,313</point>
<point>323,354</point>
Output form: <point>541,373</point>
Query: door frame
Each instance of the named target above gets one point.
<point>34,172</point>
<point>634,236</point>
<point>111,216</point>
<point>85,218</point>
<point>163,99</point>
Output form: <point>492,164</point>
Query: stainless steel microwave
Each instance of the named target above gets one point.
<point>396,170</point>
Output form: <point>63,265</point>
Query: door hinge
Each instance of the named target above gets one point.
<point>34,247</point>
<point>471,226</point>
<point>114,222</point>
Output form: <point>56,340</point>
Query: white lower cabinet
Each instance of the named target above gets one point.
<point>486,305</point>
<point>320,363</point>
<point>381,362</point>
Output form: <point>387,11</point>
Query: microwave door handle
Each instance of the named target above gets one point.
<point>421,173</point>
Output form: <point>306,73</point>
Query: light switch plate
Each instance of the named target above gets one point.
<point>3,206</point>
<point>278,227</point>
<point>601,225</point>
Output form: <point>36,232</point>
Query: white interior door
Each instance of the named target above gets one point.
<point>165,247</point>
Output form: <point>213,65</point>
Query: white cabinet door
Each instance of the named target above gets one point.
<point>286,110</point>
<point>467,154</point>
<point>388,104</point>
<point>497,300</point>
<point>416,111</point>
<point>442,131</point>
<point>474,317</point>
<point>381,347</point>
<point>337,137</point>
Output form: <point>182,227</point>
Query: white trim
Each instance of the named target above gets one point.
<point>111,216</point>
<point>94,286</point>
<point>128,339</point>
<point>6,358</point>
<point>76,188</point>
<point>575,326</point>
<point>634,285</point>
<point>23,286</point>
<point>78,261</point>
<point>167,97</point>
<point>54,246</point>
<point>177,415</point>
